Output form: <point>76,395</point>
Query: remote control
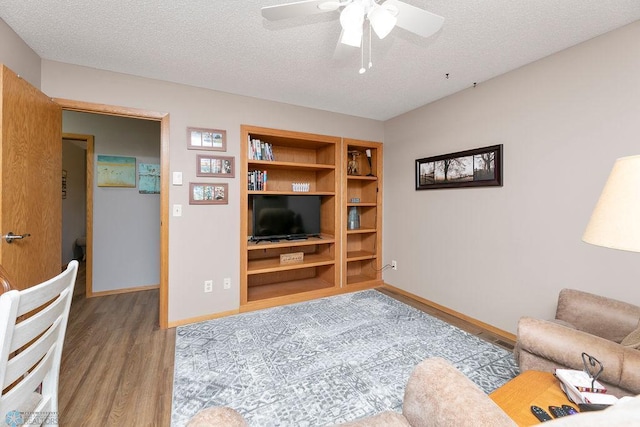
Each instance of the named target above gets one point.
<point>540,413</point>
<point>557,411</point>
<point>570,410</point>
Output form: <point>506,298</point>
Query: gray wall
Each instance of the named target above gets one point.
<point>496,254</point>
<point>204,243</point>
<point>17,55</point>
<point>126,224</point>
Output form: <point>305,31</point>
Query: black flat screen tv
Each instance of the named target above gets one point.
<point>278,217</point>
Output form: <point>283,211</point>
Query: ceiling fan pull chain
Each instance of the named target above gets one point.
<point>362,69</point>
<point>370,56</point>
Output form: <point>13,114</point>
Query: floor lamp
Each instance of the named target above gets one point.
<point>615,221</point>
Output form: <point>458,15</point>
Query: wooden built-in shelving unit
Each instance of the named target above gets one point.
<point>336,260</point>
<point>298,157</point>
<point>362,247</point>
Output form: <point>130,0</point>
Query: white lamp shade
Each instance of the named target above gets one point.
<point>615,222</point>
<point>382,20</point>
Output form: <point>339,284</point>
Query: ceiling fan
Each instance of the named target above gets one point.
<point>382,17</point>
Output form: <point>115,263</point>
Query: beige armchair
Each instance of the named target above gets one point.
<point>585,323</point>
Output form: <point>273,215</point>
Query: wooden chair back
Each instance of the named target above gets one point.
<point>32,328</point>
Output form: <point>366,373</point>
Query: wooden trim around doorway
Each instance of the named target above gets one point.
<point>163,118</point>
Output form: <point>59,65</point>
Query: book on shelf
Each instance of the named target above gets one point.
<point>260,150</point>
<point>257,180</point>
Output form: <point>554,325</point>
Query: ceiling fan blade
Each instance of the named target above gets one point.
<point>333,4</point>
<point>292,10</point>
<point>416,20</point>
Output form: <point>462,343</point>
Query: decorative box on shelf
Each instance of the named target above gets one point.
<point>292,258</point>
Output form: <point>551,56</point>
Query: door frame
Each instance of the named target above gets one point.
<point>88,208</point>
<point>163,118</point>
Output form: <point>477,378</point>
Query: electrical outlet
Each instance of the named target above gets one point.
<point>208,285</point>
<point>394,265</point>
<point>227,283</point>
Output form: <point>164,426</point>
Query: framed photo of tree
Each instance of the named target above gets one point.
<point>481,167</point>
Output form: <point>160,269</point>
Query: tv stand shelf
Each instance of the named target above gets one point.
<point>324,238</point>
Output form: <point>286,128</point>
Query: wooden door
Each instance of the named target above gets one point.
<point>30,181</point>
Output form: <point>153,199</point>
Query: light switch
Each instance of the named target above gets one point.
<point>177,210</point>
<point>177,179</point>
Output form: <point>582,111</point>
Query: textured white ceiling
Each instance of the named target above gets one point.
<point>228,46</point>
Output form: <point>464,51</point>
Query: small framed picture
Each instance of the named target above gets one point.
<point>201,193</point>
<point>215,166</point>
<point>206,139</point>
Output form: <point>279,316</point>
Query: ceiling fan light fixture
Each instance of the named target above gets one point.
<point>352,37</point>
<point>382,20</point>
<point>352,16</point>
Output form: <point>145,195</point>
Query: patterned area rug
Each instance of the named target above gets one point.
<point>321,362</point>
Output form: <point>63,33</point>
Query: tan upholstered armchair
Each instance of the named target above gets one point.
<point>602,327</point>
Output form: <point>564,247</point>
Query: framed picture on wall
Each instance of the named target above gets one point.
<point>148,178</point>
<point>116,171</point>
<point>215,166</point>
<point>206,139</point>
<point>481,167</point>
<point>201,193</point>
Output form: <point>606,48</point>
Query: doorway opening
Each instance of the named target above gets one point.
<point>77,203</point>
<point>163,118</point>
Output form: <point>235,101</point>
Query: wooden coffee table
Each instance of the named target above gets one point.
<point>529,388</point>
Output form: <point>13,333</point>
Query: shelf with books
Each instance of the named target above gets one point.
<point>279,177</point>
<point>293,163</point>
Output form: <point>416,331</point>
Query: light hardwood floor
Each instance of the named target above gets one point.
<point>117,365</point>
